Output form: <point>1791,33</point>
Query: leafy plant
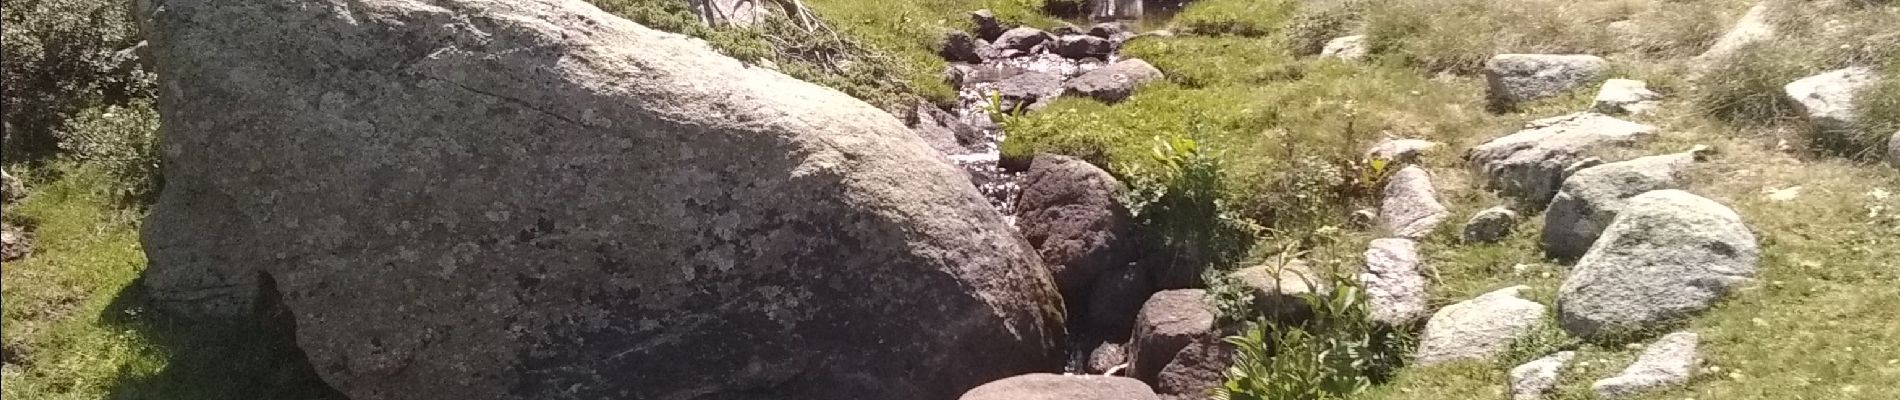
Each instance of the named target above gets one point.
<point>1180,209</point>
<point>61,57</point>
<point>1337,353</point>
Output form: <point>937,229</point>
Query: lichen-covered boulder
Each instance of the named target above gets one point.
<point>1592,197</point>
<point>1668,255</point>
<point>535,199</point>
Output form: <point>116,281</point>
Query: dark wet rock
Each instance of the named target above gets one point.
<point>1021,39</point>
<point>449,215</point>
<point>1168,322</point>
<point>1115,301</point>
<point>959,46</point>
<point>1083,46</point>
<point>987,27</point>
<point>1029,91</point>
<point>1109,30</point>
<point>1199,367</point>
<point>1070,213</point>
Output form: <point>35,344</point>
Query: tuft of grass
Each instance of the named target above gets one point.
<point>1235,17</point>
<point>1459,35</point>
<point>77,327</point>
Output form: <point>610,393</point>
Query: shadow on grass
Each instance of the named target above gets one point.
<point>248,358</point>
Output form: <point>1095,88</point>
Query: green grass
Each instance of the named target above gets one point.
<point>76,326</point>
<point>1235,17</point>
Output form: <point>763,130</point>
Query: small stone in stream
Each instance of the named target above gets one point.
<point>1479,328</point>
<point>1021,39</point>
<point>1531,380</point>
<point>1065,29</point>
<point>987,28</point>
<point>1114,82</point>
<point>1410,208</point>
<point>1395,288</point>
<point>1669,361</point>
<point>1348,48</point>
<point>1108,30</point>
<point>1168,322</point>
<point>1400,151</point>
<point>1079,47</point>
<point>1105,357</point>
<point>1624,96</point>
<point>1517,78</point>
<point>1029,91</point>
<point>959,46</point>
<point>1061,387</point>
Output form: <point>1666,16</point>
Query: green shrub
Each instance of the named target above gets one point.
<point>58,57</point>
<point>122,142</point>
<point>1234,17</point>
<point>1336,354</point>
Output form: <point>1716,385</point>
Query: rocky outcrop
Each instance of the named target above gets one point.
<point>534,199</point>
<point>1519,78</point>
<point>1280,291</point>
<point>1624,96</point>
<point>1168,322</point>
<point>1491,225</point>
<point>1592,197</point>
<point>1395,288</point>
<point>1115,82</point>
<point>1827,99</point>
<point>1529,166</point>
<point>1200,367</point>
<point>1669,361</point>
<point>1410,207</point>
<point>1531,380</point>
<point>1061,387</point>
<point>1350,48</point>
<point>1479,328</point>
<point>1668,255</point>
<point>1068,211</point>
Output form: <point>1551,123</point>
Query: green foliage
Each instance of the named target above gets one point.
<point>1234,17</point>
<point>1201,62</point>
<point>58,57</point>
<point>1879,106</point>
<point>122,142</point>
<point>1459,35</point>
<point>1338,353</point>
<point>1180,210</point>
<point>1750,91</point>
<point>1317,22</point>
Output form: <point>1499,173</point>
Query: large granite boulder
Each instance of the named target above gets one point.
<point>535,199</point>
<point>1519,78</point>
<point>1529,165</point>
<point>1668,255</point>
<point>1061,387</point>
<point>1070,213</point>
<point>1592,197</point>
<point>1479,328</point>
<point>1168,323</point>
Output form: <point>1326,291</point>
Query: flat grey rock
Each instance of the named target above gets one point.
<point>1061,387</point>
<point>1827,99</point>
<point>1529,166</point>
<point>1670,361</point>
<point>1624,96</point>
<point>1593,196</point>
<point>1533,379</point>
<point>1395,288</point>
<point>1670,254</point>
<point>1115,82</point>
<point>1480,328</point>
